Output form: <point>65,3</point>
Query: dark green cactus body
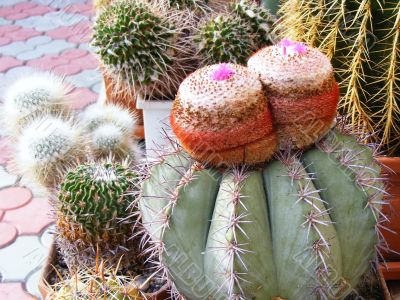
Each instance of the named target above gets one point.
<point>93,209</point>
<point>301,227</point>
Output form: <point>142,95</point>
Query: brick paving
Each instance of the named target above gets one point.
<point>37,35</point>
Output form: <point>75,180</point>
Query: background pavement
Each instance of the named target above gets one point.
<point>37,35</point>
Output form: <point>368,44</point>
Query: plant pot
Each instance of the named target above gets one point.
<point>48,269</point>
<point>391,228</point>
<point>156,123</point>
<point>127,100</point>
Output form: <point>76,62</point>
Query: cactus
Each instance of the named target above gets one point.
<point>93,213</point>
<point>301,227</point>
<point>110,129</point>
<point>144,46</point>
<point>30,97</point>
<point>261,21</point>
<point>362,39</point>
<point>224,38</point>
<point>221,116</point>
<point>300,85</point>
<point>46,147</point>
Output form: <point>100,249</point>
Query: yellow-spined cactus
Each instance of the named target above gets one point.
<point>362,38</point>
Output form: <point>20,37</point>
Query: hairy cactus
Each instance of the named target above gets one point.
<point>362,39</point>
<point>30,97</point>
<point>110,130</point>
<point>261,21</point>
<point>144,46</point>
<point>46,147</point>
<point>301,227</point>
<point>93,209</point>
<point>221,116</point>
<point>224,38</point>
<point>300,85</point>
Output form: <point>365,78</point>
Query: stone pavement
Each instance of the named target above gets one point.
<point>37,35</point>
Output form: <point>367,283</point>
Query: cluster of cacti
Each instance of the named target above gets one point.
<point>362,39</point>
<point>110,130</point>
<point>301,227</point>
<point>50,139</point>
<point>144,46</point>
<point>94,214</point>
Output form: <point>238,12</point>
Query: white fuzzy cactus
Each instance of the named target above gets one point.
<point>110,128</point>
<point>30,97</point>
<point>46,147</point>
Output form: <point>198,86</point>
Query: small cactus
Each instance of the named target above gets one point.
<point>300,85</point>
<point>30,97</point>
<point>221,116</point>
<point>93,209</point>
<point>144,46</point>
<point>224,38</point>
<point>261,21</point>
<point>47,146</point>
<point>110,130</point>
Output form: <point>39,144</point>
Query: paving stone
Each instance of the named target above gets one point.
<point>17,16</point>
<point>74,53</point>
<point>13,290</point>
<point>8,234</point>
<point>47,236</point>
<point>86,78</point>
<point>38,40</point>
<point>31,218</point>
<point>83,97</point>
<point>69,69</point>
<point>1,217</point>
<point>8,10</point>
<point>8,28</point>
<point>96,88</point>
<point>8,62</point>
<point>55,46</point>
<point>32,282</point>
<point>20,258</point>
<point>5,40</point>
<point>29,55</point>
<point>10,2</point>
<point>24,6</point>
<point>14,197</point>
<point>48,62</point>
<point>15,48</point>
<point>6,179</point>
<point>22,34</point>
<point>18,72</point>
<point>39,10</point>
<point>60,33</point>
<point>4,22</point>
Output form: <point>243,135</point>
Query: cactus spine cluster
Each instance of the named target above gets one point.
<point>362,38</point>
<point>93,209</point>
<point>301,227</point>
<point>143,46</point>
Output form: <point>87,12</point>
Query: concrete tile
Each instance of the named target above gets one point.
<point>28,55</point>
<point>4,22</point>
<point>32,282</point>
<point>8,62</point>
<point>86,78</point>
<point>38,40</point>
<point>6,179</point>
<point>20,258</point>
<point>13,291</point>
<point>54,47</point>
<point>15,48</point>
<point>10,2</point>
<point>96,88</point>
<point>8,234</point>
<point>14,197</point>
<point>47,236</point>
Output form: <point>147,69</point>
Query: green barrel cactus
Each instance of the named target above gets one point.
<point>362,39</point>
<point>143,46</point>
<point>93,213</point>
<point>304,226</point>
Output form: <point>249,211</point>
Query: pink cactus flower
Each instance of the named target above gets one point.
<point>222,72</point>
<point>289,47</point>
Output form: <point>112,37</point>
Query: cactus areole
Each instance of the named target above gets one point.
<point>301,227</point>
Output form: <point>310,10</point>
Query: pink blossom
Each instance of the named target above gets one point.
<point>222,72</point>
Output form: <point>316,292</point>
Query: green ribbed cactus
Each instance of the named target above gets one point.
<point>224,38</point>
<point>93,209</point>
<point>301,227</point>
<point>143,46</point>
<point>261,21</point>
<point>362,38</point>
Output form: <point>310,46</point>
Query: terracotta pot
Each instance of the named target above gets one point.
<point>161,294</point>
<point>126,100</point>
<point>392,211</point>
